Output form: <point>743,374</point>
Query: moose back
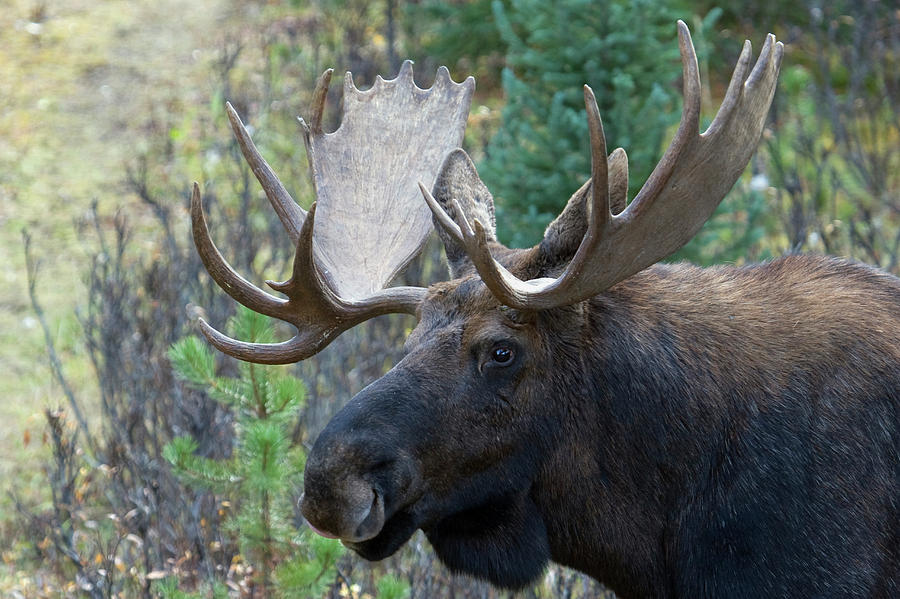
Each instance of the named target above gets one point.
<point>671,431</point>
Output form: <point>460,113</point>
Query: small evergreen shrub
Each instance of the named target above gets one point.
<point>261,478</point>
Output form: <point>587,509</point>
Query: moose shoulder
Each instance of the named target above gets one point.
<point>670,430</point>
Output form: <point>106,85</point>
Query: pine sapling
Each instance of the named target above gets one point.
<point>261,478</point>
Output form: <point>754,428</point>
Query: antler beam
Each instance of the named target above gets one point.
<point>319,314</point>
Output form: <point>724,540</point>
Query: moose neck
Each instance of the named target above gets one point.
<point>633,444</point>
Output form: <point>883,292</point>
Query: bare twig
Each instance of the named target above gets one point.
<point>31,268</point>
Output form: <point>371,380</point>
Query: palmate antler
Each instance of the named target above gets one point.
<point>368,221</point>
<point>684,189</point>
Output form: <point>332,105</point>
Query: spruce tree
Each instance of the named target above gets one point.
<point>626,51</point>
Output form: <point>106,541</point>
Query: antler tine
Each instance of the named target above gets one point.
<point>317,106</point>
<point>293,350</point>
<point>313,295</point>
<point>688,128</point>
<point>305,278</point>
<point>733,94</point>
<point>406,71</point>
<point>290,214</point>
<point>500,281</point>
<point>600,217</point>
<point>314,336</point>
<point>441,215</point>
<point>472,237</point>
<point>227,278</point>
<point>599,173</point>
<point>503,284</point>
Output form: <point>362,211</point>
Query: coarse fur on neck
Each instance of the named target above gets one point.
<point>710,409</point>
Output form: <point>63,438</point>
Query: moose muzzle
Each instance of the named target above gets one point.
<point>351,511</point>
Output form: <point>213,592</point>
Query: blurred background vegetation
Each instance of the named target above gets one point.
<point>109,109</point>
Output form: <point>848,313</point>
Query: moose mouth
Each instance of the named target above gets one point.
<point>396,531</point>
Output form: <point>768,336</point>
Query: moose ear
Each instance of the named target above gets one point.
<point>563,236</point>
<point>458,180</point>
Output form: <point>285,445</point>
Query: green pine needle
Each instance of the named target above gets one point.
<point>252,326</point>
<point>391,587</point>
<point>193,361</point>
<point>285,394</point>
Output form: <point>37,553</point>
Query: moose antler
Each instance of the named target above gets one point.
<point>369,222</point>
<point>684,189</point>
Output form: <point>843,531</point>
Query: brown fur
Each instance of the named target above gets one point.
<point>814,340</point>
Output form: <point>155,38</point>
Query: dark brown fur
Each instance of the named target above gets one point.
<point>746,439</point>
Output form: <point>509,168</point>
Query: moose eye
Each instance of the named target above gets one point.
<point>502,355</point>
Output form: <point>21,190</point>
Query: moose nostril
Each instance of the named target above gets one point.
<point>373,522</point>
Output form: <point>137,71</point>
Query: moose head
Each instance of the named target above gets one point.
<point>570,401</point>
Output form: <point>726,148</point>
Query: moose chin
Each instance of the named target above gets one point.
<point>672,431</point>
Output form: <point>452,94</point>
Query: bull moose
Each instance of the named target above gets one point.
<point>671,431</point>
